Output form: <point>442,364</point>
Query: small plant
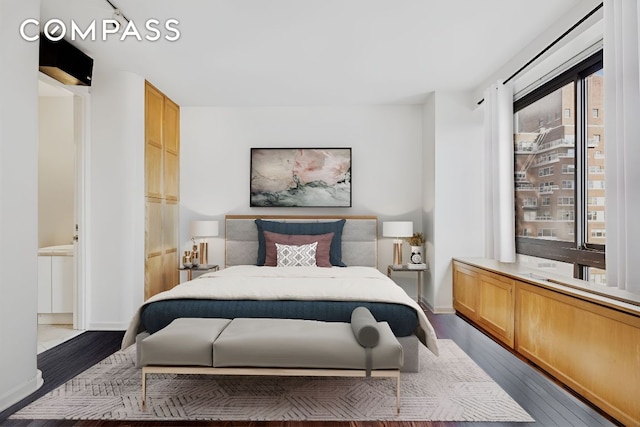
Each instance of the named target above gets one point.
<point>416,240</point>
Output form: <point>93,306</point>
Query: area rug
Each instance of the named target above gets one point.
<point>450,387</point>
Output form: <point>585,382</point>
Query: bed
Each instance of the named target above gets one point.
<point>246,288</point>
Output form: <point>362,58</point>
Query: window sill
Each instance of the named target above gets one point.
<point>602,295</point>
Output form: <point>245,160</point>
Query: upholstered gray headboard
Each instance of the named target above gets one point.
<point>359,237</point>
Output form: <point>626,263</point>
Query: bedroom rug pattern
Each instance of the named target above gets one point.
<point>447,388</point>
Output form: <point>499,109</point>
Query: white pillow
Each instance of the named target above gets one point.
<point>296,256</point>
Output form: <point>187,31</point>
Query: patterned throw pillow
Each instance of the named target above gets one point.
<point>296,256</point>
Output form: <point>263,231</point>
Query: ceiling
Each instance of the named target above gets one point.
<point>313,52</point>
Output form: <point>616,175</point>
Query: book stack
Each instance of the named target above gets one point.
<point>420,266</point>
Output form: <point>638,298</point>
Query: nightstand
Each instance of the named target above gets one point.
<point>404,267</point>
<point>202,268</point>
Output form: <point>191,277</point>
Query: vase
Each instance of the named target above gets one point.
<point>186,259</point>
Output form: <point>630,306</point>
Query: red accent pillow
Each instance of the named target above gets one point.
<point>322,251</point>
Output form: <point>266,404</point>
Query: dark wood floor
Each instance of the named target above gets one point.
<point>548,403</point>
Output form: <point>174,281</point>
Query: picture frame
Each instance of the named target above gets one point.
<point>300,177</point>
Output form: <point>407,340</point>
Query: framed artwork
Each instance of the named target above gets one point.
<point>300,177</point>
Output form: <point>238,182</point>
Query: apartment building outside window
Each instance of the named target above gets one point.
<point>567,184</point>
<point>562,169</point>
<point>566,201</point>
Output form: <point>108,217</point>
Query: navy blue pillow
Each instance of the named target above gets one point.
<point>310,228</point>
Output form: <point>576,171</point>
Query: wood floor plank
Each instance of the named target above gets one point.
<point>547,402</point>
<point>65,361</point>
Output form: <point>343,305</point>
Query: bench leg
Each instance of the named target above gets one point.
<point>398,395</point>
<point>144,389</point>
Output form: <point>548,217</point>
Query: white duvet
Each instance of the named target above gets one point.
<point>293,283</point>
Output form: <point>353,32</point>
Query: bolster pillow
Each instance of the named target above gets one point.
<point>365,327</point>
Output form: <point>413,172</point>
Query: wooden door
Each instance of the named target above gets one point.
<point>162,171</point>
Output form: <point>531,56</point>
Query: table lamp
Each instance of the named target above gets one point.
<point>397,229</point>
<point>203,230</point>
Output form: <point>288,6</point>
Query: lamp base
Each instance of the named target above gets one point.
<point>204,253</point>
<point>397,252</point>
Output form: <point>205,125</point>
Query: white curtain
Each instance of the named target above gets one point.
<point>622,134</point>
<point>499,198</point>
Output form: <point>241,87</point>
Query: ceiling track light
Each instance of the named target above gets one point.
<point>118,16</point>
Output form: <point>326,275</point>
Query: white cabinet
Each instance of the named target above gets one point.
<point>55,284</point>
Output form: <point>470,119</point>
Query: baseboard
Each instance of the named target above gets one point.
<point>55,318</point>
<point>426,304</point>
<point>18,393</point>
<point>437,310</point>
<point>108,326</point>
<point>443,310</point>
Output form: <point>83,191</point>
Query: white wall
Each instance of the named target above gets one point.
<point>115,235</point>
<point>429,192</point>
<point>56,171</point>
<point>18,203</point>
<point>454,193</point>
<point>387,166</point>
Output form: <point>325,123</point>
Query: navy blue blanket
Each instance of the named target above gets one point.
<point>155,316</point>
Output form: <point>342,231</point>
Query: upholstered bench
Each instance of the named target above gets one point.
<point>277,347</point>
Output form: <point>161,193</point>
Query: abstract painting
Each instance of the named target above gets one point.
<point>310,177</point>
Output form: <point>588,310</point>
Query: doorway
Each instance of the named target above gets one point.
<point>61,260</point>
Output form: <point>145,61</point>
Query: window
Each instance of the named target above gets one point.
<point>566,201</point>
<point>523,186</point>
<point>546,187</point>
<point>545,171</point>
<point>597,276</point>
<point>547,232</point>
<point>596,169</point>
<point>595,201</point>
<point>543,216</point>
<point>594,161</point>
<point>524,146</point>
<point>597,216</point>
<point>565,215</point>
<point>571,228</point>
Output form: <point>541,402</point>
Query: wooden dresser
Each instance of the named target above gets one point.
<point>591,343</point>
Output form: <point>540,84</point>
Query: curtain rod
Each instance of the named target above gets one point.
<point>550,45</point>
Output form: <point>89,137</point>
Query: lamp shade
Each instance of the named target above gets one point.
<point>397,228</point>
<point>204,228</point>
